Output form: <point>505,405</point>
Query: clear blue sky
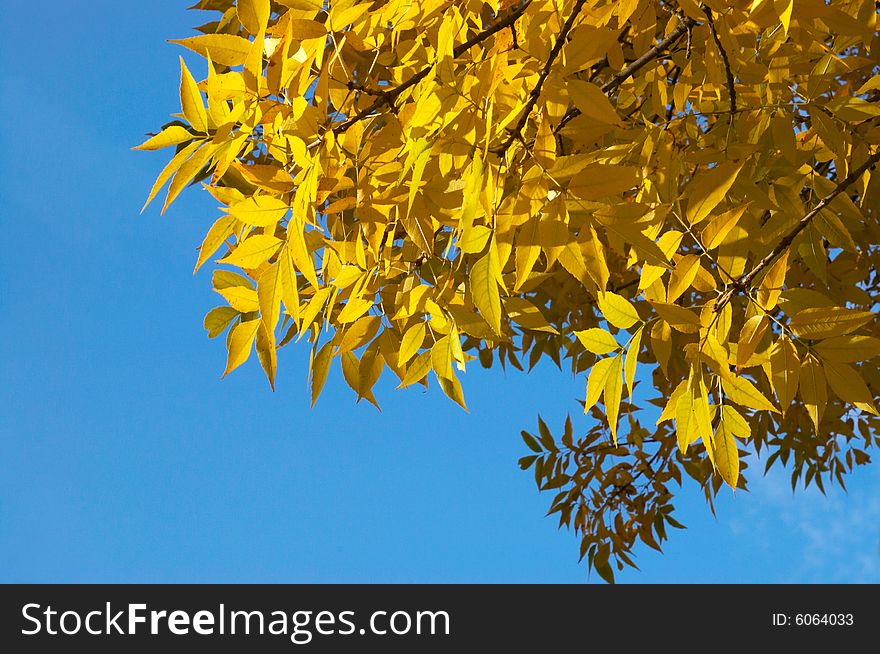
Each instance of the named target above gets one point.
<point>125,458</point>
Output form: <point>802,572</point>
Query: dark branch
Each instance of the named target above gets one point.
<point>516,132</point>
<point>620,77</point>
<point>731,88</point>
<point>387,98</point>
<point>745,281</point>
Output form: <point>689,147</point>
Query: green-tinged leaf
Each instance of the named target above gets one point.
<point>218,319</point>
<point>826,322</point>
<point>617,310</point>
<point>597,340</point>
<point>485,292</point>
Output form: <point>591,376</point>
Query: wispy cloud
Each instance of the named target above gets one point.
<point>833,538</point>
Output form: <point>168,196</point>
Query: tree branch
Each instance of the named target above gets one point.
<point>745,281</point>
<point>731,88</point>
<point>516,132</point>
<point>387,98</point>
<point>624,74</point>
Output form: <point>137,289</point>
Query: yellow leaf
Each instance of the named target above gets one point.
<point>473,241</point>
<point>702,420</point>
<point>528,249</point>
<point>682,276</point>
<point>592,102</point>
<point>187,171</point>
<point>741,391</point>
<point>597,340</point>
<point>252,251</point>
<point>785,367</point>
<point>682,319</point>
<point>709,189</point>
<point>269,293</point>
<point>848,349</point>
<point>849,386</point>
<point>452,388</point>
<point>267,353</point>
<point>225,49</point>
<point>173,135</point>
<point>358,333</point>
<point>417,370</point>
<point>632,359</point>
<point>771,285</point>
<point>170,168</point>
<point>726,453</point>
<point>661,344</point>
<point>320,366</point>
<point>813,389</point>
<point>596,381</point>
<point>191,100</point>
<point>240,298</point>
<point>473,187</point>
<point>597,181</point>
<point>441,358</point>
<point>685,421</point>
<point>253,15</point>
<point>259,210</point>
<point>484,288</point>
<point>825,322</point>
<point>750,338</point>
<point>239,344</point>
<point>617,310</point>
<point>218,318</point>
<point>218,233</point>
<point>613,391</point>
<point>718,228</point>
<point>411,342</point>
<point>671,407</point>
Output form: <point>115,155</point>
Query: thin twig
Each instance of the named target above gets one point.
<point>620,77</point>
<point>516,132</point>
<point>387,98</point>
<point>745,280</point>
<point>731,87</point>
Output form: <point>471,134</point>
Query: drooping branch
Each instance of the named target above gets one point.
<point>746,280</point>
<point>635,66</point>
<point>387,98</point>
<point>731,86</point>
<point>535,94</point>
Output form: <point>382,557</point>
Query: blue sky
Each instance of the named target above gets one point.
<point>127,459</point>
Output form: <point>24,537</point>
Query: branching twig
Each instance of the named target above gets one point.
<point>620,77</point>
<point>516,132</point>
<point>731,88</point>
<point>745,281</point>
<point>387,98</point>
